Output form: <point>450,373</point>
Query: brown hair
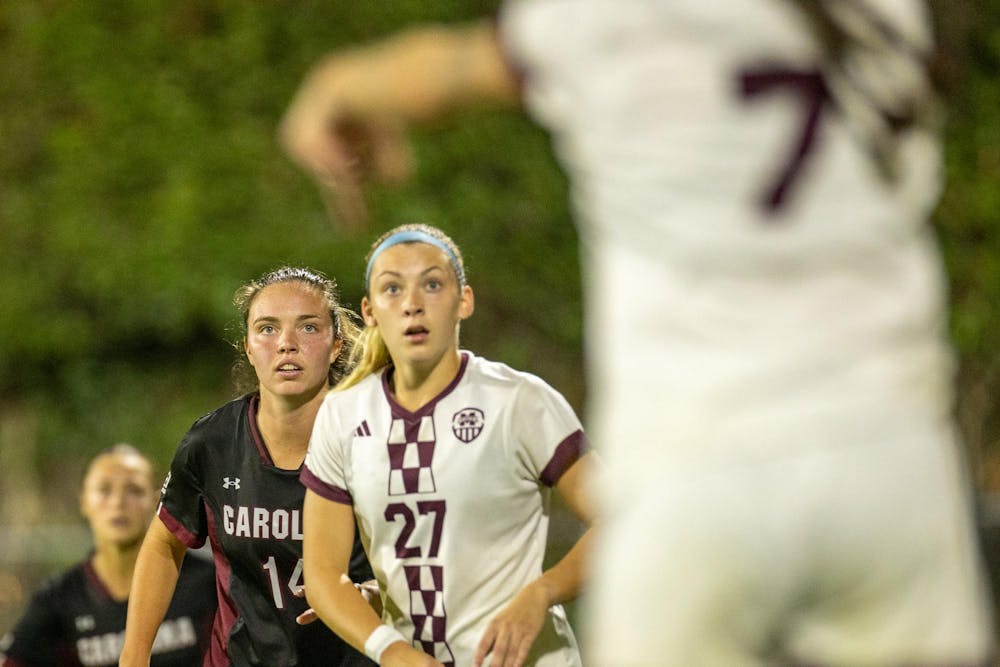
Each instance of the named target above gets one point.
<point>345,327</point>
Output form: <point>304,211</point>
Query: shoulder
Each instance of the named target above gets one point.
<point>66,585</point>
<point>367,389</point>
<point>225,415</point>
<point>219,424</point>
<point>498,374</point>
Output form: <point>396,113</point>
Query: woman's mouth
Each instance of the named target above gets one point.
<point>289,370</point>
<point>416,334</point>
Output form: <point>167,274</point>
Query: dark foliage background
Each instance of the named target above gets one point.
<point>141,184</point>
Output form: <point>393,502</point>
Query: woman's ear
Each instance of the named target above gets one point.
<point>338,345</point>
<point>466,303</point>
<point>366,313</point>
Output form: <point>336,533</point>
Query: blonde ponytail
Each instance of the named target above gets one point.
<point>368,356</point>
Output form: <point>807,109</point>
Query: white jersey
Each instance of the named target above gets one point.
<point>452,501</point>
<point>761,273</point>
<point>766,328</point>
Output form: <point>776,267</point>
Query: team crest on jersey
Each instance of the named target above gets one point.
<point>467,424</point>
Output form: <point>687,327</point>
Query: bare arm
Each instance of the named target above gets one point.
<point>153,584</point>
<point>328,534</point>
<point>349,117</point>
<point>510,634</point>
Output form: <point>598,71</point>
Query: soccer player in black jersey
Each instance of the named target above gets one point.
<point>234,481</point>
<point>78,617</point>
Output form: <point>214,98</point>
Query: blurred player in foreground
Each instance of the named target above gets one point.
<point>78,618</point>
<point>234,481</point>
<point>753,183</point>
<point>448,461</point>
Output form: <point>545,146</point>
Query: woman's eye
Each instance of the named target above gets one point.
<point>391,288</point>
<point>310,328</point>
<point>266,329</point>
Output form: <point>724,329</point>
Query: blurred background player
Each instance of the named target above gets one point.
<point>78,618</point>
<point>752,185</point>
<point>234,481</point>
<point>448,461</point>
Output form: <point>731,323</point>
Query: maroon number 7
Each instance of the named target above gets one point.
<point>813,97</point>
<point>424,508</point>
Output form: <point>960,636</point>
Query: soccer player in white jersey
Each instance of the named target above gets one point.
<point>447,460</point>
<point>753,181</point>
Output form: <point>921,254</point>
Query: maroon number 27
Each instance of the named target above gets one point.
<point>436,508</point>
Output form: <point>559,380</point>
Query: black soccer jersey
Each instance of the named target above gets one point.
<point>73,621</point>
<point>223,486</point>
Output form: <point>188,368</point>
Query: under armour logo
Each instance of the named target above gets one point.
<point>230,482</point>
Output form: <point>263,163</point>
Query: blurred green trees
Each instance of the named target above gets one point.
<point>141,183</point>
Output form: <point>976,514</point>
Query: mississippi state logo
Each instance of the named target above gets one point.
<point>467,424</point>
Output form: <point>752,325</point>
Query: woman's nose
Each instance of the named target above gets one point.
<point>287,342</point>
<point>413,304</point>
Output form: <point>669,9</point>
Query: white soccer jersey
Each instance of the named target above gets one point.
<point>765,328</point>
<point>452,501</point>
<point>760,272</point>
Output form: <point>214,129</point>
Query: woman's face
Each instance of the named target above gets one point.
<point>415,301</point>
<point>118,498</point>
<point>290,340</point>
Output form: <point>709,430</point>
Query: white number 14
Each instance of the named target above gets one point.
<point>294,581</point>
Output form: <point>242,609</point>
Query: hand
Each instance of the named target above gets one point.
<point>370,592</point>
<point>341,144</point>
<point>308,616</point>
<point>510,634</point>
<point>401,654</point>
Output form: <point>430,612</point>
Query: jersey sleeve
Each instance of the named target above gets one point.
<point>547,433</point>
<point>36,640</point>
<point>323,471</point>
<point>182,509</point>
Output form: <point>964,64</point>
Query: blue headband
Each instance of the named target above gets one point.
<point>414,236</point>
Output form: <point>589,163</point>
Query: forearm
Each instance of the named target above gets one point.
<point>340,605</point>
<point>328,533</point>
<point>417,74</point>
<point>153,584</point>
<point>564,580</point>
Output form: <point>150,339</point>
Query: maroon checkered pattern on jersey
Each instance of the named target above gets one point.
<point>411,452</point>
<point>427,610</point>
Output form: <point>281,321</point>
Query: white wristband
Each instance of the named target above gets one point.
<point>380,639</point>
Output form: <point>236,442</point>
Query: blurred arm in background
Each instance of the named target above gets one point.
<point>349,118</point>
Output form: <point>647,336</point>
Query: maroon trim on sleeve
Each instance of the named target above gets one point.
<point>190,540</point>
<point>321,488</point>
<point>567,453</point>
